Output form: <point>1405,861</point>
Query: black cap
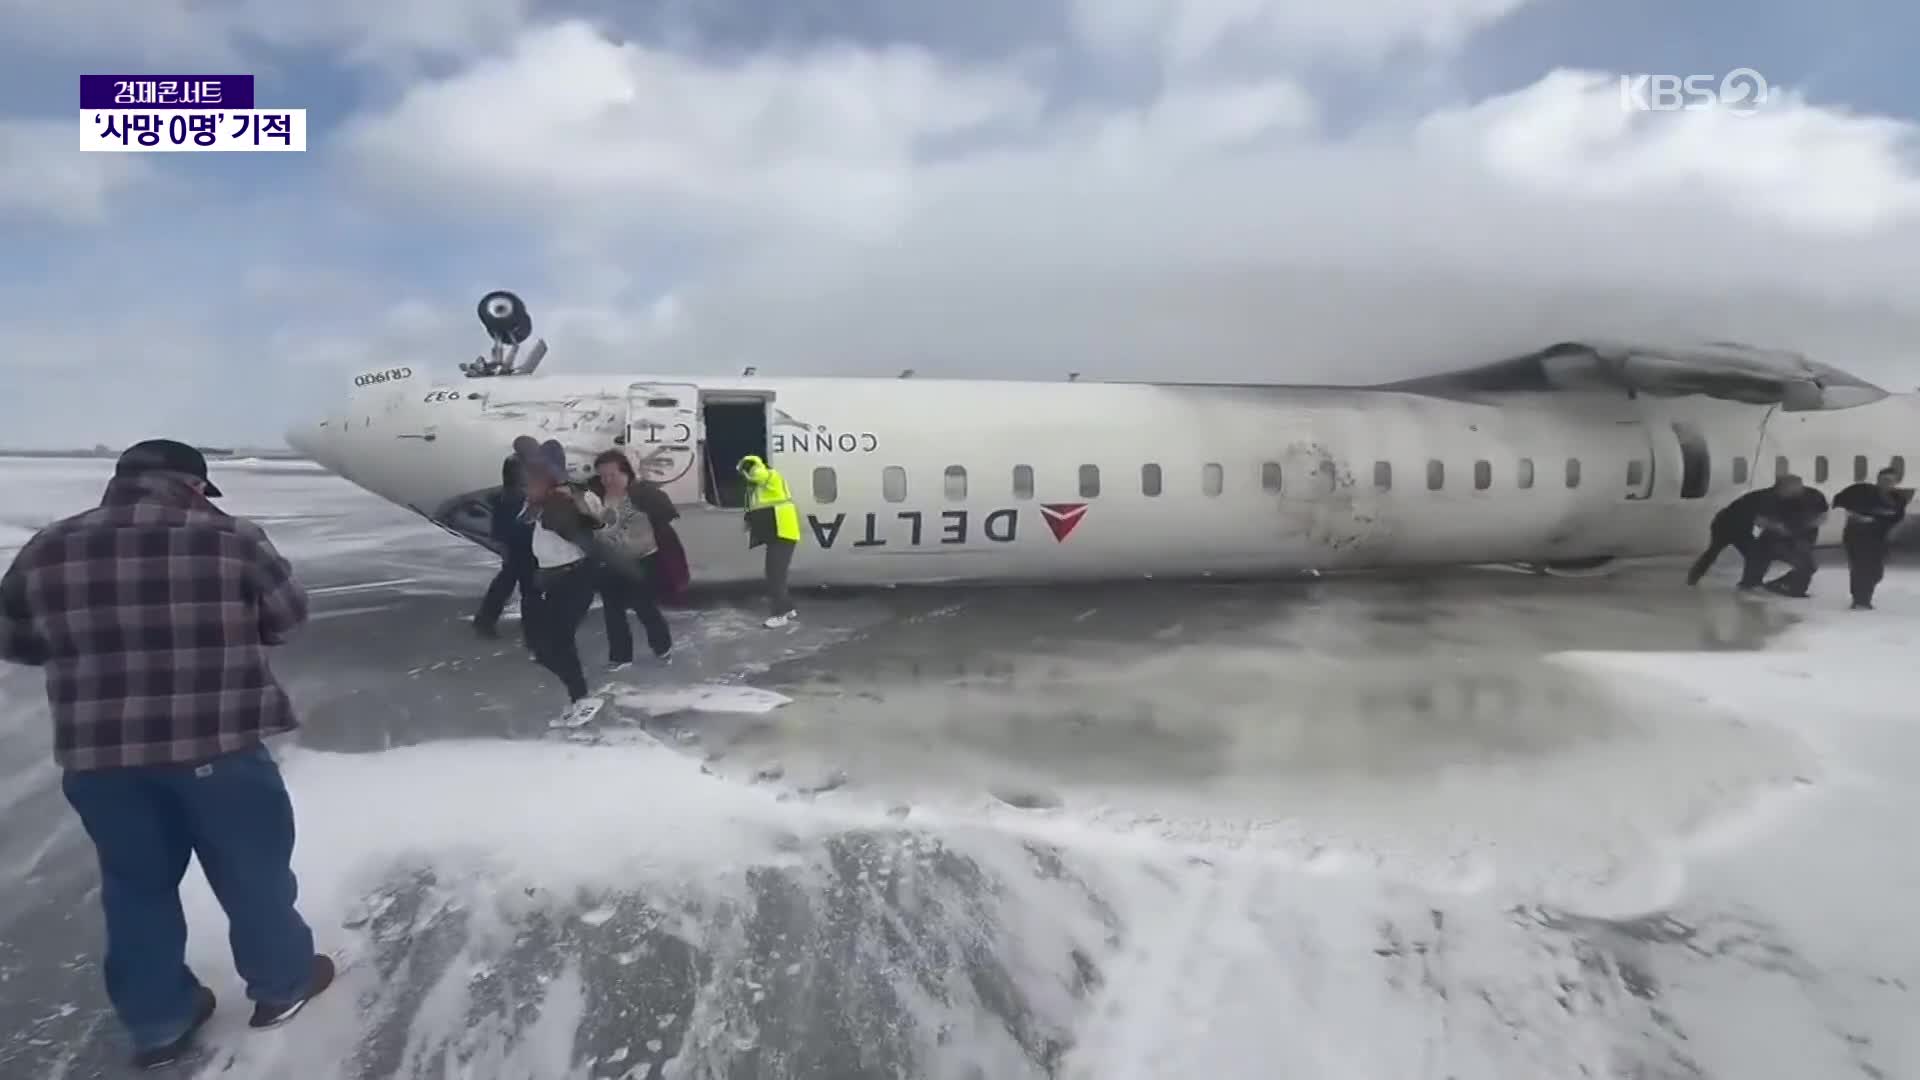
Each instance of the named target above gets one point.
<point>165,455</point>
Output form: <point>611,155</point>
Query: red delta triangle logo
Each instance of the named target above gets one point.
<point>1063,518</point>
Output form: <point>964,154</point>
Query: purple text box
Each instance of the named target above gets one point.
<point>166,91</point>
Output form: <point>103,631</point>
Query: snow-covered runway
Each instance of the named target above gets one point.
<point>1477,826</point>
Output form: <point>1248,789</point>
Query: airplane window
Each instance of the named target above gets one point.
<point>956,483</point>
<point>1089,481</point>
<point>1739,470</point>
<point>1898,465</point>
<point>1859,468</point>
<point>1023,481</point>
<point>1436,476</point>
<point>1523,476</point>
<point>1636,473</point>
<point>1482,475</point>
<point>1270,477</point>
<point>1820,469</point>
<point>1383,476</point>
<point>1213,479</point>
<point>1781,466</point>
<point>893,484</point>
<point>1573,472</point>
<point>1150,480</point>
<point>826,486</point>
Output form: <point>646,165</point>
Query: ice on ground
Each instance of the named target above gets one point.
<point>705,697</point>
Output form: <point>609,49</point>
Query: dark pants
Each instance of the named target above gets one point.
<point>146,822</point>
<point>1795,550</point>
<point>779,561</point>
<point>566,595</point>
<point>1740,540</point>
<point>621,593</point>
<point>516,572</point>
<point>1866,561</point>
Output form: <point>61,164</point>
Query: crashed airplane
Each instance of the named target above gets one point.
<point>1562,459</point>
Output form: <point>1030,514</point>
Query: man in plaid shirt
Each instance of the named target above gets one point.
<point>152,614</point>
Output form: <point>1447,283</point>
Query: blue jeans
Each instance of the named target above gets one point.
<point>234,813</point>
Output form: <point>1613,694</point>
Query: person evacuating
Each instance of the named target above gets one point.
<point>773,520</point>
<point>515,537</point>
<point>671,574</point>
<point>630,557</point>
<point>1789,527</point>
<point>1872,512</point>
<point>152,615</point>
<point>1733,528</point>
<point>564,520</point>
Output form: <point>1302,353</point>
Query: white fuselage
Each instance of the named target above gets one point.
<point>923,480</point>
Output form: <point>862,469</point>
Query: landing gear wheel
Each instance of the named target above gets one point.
<point>505,316</point>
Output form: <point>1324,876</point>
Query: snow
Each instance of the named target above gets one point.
<point>1481,890</point>
<point>310,514</point>
<point>514,826</point>
<point>705,697</point>
<point>1311,938</point>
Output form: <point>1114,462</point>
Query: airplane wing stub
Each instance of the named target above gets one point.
<point>1724,370</point>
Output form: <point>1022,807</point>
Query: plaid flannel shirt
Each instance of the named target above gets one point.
<point>152,614</point>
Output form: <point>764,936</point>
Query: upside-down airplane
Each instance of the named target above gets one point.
<point>1562,459</point>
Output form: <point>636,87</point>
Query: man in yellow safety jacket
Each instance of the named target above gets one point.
<point>773,520</point>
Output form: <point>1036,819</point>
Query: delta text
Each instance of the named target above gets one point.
<point>914,528</point>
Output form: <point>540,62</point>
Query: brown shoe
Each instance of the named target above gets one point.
<point>268,1014</point>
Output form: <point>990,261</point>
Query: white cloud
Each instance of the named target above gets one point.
<point>1817,169</point>
<point>43,173</point>
<point>635,134</point>
<point>1161,252</point>
<point>1183,33</point>
<point>838,209</point>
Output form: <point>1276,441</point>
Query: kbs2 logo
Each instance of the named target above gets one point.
<point>375,378</point>
<point>1741,91</point>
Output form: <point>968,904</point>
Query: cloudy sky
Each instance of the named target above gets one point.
<point>1290,190</point>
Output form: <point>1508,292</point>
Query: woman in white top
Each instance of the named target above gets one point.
<point>563,520</point>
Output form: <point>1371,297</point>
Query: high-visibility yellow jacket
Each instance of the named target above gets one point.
<point>770,510</point>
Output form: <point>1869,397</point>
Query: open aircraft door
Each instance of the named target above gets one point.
<point>663,432</point>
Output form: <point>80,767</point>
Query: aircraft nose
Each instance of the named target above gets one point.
<point>307,438</point>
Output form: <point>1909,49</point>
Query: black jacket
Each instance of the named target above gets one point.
<point>1738,516</point>
<point>515,534</point>
<point>653,501</point>
<point>1886,510</point>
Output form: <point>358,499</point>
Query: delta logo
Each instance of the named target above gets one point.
<point>1063,518</point>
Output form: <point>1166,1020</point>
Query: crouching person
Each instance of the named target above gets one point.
<point>152,614</point>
